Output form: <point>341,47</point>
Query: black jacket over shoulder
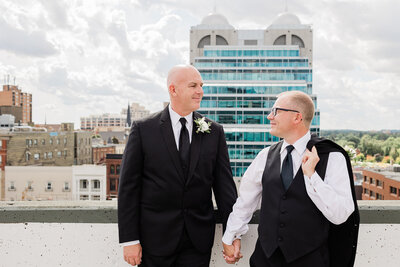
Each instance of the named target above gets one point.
<point>155,202</point>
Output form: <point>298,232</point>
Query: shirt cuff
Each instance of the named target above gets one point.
<point>313,180</point>
<point>125,244</point>
<point>228,238</point>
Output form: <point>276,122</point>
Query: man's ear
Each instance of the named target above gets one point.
<point>172,90</point>
<point>298,118</point>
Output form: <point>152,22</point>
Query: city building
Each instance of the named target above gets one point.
<point>381,184</point>
<point>7,121</point>
<point>89,182</point>
<point>3,160</point>
<point>113,163</point>
<point>100,152</point>
<point>17,103</point>
<point>37,183</point>
<point>113,122</point>
<point>36,146</point>
<point>244,71</point>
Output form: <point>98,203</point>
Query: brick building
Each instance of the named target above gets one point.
<point>113,163</point>
<point>100,152</point>
<point>15,102</point>
<point>381,184</point>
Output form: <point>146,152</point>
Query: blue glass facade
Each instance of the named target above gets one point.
<point>241,85</point>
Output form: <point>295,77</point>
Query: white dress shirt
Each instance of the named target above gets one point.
<point>332,196</point>
<point>176,128</point>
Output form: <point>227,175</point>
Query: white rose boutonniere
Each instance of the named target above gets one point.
<point>202,125</point>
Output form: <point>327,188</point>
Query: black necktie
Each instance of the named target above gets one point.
<point>287,168</point>
<point>184,146</point>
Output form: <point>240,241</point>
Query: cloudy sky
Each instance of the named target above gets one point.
<point>82,57</point>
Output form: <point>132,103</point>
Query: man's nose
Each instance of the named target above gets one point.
<point>270,116</point>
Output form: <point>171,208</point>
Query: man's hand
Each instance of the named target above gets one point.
<point>309,161</point>
<point>232,252</point>
<point>133,254</point>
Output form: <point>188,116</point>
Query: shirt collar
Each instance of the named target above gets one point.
<point>300,145</point>
<point>175,117</point>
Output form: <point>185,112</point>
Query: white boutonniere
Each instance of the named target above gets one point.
<point>202,125</point>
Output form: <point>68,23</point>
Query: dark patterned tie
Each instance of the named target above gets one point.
<point>184,147</point>
<point>287,168</point>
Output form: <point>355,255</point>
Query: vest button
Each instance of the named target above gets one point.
<point>283,212</point>
<point>281,225</point>
<point>284,197</point>
<point>280,239</point>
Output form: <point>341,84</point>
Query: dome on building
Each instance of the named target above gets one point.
<point>215,19</point>
<point>286,18</point>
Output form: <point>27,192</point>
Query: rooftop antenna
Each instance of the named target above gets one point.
<point>14,80</point>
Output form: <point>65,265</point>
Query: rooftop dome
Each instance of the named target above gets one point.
<point>214,19</point>
<point>286,18</point>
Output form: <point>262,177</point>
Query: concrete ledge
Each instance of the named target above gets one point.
<point>371,212</point>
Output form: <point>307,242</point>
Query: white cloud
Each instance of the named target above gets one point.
<point>83,57</point>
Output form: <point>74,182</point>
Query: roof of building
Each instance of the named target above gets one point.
<point>286,18</point>
<point>214,20</point>
<point>388,173</point>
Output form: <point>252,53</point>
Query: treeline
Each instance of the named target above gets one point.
<point>371,146</point>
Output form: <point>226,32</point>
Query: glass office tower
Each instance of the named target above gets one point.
<point>244,71</point>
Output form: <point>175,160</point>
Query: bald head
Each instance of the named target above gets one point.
<point>301,102</point>
<point>177,73</point>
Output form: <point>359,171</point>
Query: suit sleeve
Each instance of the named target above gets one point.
<point>129,189</point>
<point>224,187</point>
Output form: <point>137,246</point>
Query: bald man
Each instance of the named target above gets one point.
<point>172,162</point>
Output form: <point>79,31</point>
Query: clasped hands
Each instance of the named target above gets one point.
<point>232,252</point>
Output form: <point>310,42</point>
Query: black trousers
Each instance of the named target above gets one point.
<point>186,255</point>
<point>316,258</point>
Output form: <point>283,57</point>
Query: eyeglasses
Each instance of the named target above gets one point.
<point>274,111</point>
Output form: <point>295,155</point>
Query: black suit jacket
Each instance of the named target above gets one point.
<point>155,202</point>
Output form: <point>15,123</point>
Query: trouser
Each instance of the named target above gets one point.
<point>186,255</point>
<point>316,258</point>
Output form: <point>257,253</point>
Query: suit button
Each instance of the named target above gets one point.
<point>284,197</point>
<point>281,225</point>
<point>280,239</point>
<point>283,212</point>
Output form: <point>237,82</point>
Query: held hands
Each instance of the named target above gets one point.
<point>133,254</point>
<point>309,161</point>
<point>232,252</point>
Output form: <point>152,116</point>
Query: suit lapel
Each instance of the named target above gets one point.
<point>168,135</point>
<point>195,147</point>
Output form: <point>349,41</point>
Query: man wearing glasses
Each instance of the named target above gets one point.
<point>308,215</point>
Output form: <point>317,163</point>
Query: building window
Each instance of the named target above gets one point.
<point>44,155</point>
<point>113,184</point>
<point>58,141</point>
<point>43,142</point>
<point>371,180</point>
<point>59,154</point>
<point>112,169</point>
<point>366,191</point>
<point>83,197</point>
<point>27,156</point>
<point>206,40</point>
<point>393,190</point>
<point>84,184</point>
<point>35,142</point>
<point>36,156</point>
<point>51,141</point>
<point>29,186</point>
<point>1,143</point>
<point>29,142</point>
<point>95,185</point>
<point>65,153</point>
<point>1,159</point>
<point>95,197</point>
<point>49,186</point>
<point>12,186</point>
<point>65,140</point>
<point>372,194</point>
<point>379,196</point>
<point>50,155</point>
<point>379,183</point>
<point>66,186</point>
<point>118,169</point>
<point>296,40</point>
<point>281,40</point>
<point>366,179</point>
